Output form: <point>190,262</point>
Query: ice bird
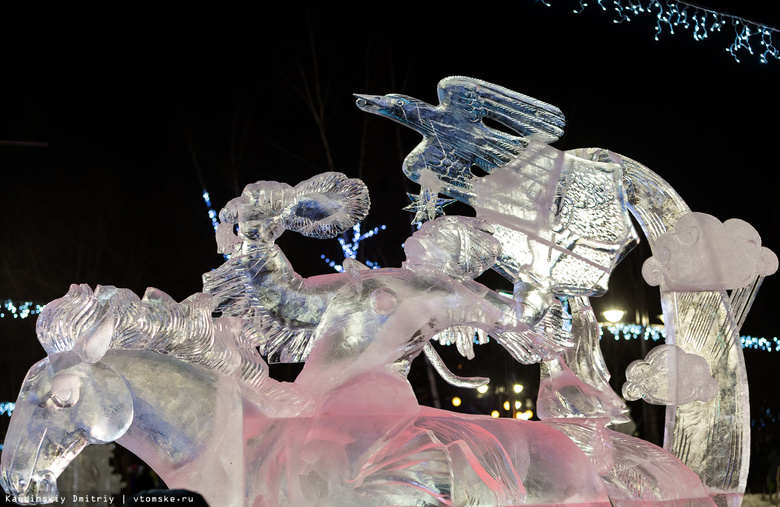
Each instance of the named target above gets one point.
<point>455,134</point>
<point>542,202</point>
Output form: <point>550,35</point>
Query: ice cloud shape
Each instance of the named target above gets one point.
<point>701,253</point>
<point>670,376</point>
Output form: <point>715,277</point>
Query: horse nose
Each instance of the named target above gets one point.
<point>14,483</point>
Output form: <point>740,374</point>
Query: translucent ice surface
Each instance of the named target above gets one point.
<point>206,422</point>
<point>186,387</point>
<point>670,376</point>
<point>561,218</point>
<point>701,253</point>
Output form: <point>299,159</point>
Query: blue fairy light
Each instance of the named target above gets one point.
<point>212,214</point>
<point>655,333</point>
<point>703,22</point>
<point>10,309</point>
<point>350,248</point>
<point>7,407</point>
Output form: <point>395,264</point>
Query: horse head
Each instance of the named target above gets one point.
<point>68,400</point>
<point>117,369</point>
<point>65,404</point>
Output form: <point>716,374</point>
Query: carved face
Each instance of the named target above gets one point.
<point>458,246</point>
<point>64,405</point>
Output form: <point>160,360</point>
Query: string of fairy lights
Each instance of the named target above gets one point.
<point>621,331</point>
<point>751,37</point>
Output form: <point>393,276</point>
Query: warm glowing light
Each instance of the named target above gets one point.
<point>528,414</point>
<point>614,315</point>
<point>494,414</point>
<point>456,401</point>
<point>518,404</point>
<point>482,389</point>
<point>518,388</point>
<point>506,405</point>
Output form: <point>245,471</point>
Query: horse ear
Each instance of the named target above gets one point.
<point>93,344</point>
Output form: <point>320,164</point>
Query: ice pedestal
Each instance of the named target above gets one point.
<point>404,454</point>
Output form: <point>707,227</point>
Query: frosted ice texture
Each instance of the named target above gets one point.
<point>701,253</point>
<point>455,135</point>
<point>91,473</point>
<point>670,376</point>
<point>575,384</point>
<point>184,385</point>
<point>347,323</point>
<point>712,438</point>
<point>697,321</point>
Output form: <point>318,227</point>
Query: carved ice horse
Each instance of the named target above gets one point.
<point>184,396</point>
<point>189,402</point>
<point>112,375</point>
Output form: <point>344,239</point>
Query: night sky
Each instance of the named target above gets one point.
<point>112,129</point>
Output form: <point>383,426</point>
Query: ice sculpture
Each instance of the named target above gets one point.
<point>596,233</point>
<point>367,320</point>
<point>186,387</point>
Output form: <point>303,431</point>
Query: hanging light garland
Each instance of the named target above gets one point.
<point>212,215</point>
<point>655,333</point>
<point>749,35</point>
<point>634,331</point>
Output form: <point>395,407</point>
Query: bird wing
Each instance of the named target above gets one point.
<point>525,115</point>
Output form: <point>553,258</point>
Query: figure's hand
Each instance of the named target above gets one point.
<point>327,205</point>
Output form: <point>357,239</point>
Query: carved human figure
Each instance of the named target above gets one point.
<point>363,320</point>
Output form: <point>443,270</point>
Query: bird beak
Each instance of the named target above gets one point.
<point>371,103</point>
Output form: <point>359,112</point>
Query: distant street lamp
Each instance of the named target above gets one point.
<point>614,316</point>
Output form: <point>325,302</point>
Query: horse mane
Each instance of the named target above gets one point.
<point>156,323</point>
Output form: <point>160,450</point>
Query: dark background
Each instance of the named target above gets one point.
<point>112,127</point>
